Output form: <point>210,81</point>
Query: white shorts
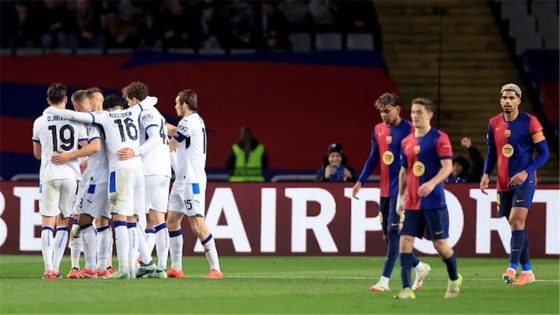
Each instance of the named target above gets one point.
<point>188,199</point>
<point>157,192</point>
<point>126,192</point>
<point>57,197</point>
<point>76,205</point>
<point>94,201</point>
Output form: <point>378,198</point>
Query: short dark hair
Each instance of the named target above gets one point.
<point>56,93</point>
<point>390,99</point>
<point>425,102</point>
<point>79,96</point>
<point>113,101</point>
<point>136,90</point>
<point>188,97</point>
<point>92,90</point>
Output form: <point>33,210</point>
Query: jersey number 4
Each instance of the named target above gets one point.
<point>131,129</point>
<point>65,134</point>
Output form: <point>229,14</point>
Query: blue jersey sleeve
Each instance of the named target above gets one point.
<point>490,160</point>
<point>540,159</point>
<point>372,160</point>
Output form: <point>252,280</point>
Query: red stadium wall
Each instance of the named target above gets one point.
<point>313,219</point>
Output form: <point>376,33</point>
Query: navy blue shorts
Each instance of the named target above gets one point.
<point>388,211</point>
<point>433,223</point>
<point>519,197</point>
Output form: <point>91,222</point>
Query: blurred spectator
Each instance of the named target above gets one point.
<point>357,16</point>
<point>241,28</point>
<point>53,23</point>
<point>177,24</point>
<point>272,28</point>
<point>209,31</point>
<point>297,14</point>
<point>335,166</point>
<point>122,19</point>
<point>86,25</point>
<point>17,26</point>
<point>323,14</point>
<point>463,171</point>
<point>247,159</point>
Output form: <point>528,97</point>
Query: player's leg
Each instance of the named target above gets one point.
<point>521,203</point>
<point>49,210</point>
<point>68,189</point>
<point>75,244</point>
<point>150,233</point>
<point>104,231</point>
<point>157,197</point>
<point>89,240</point>
<point>392,240</point>
<point>412,226</point>
<point>195,204</point>
<point>504,201</point>
<point>175,215</point>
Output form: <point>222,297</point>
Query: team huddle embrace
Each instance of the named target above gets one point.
<point>110,161</point>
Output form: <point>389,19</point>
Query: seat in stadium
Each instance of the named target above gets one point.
<point>359,41</point>
<point>300,42</point>
<point>328,41</point>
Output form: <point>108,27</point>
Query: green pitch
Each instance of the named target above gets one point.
<point>320,285</point>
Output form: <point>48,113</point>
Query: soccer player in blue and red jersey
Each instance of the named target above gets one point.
<point>512,136</point>
<point>386,147</point>
<point>425,164</point>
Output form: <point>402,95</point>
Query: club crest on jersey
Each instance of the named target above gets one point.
<point>418,169</point>
<point>416,149</point>
<point>388,139</point>
<point>388,157</point>
<point>507,150</point>
<point>507,133</point>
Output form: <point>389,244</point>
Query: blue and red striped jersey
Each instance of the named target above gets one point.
<point>421,156</point>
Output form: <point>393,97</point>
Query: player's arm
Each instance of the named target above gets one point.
<point>402,189</point>
<point>179,136</point>
<point>146,104</point>
<point>154,138</point>
<point>445,154</point>
<point>539,142</point>
<point>171,129</point>
<point>490,160</point>
<point>37,150</point>
<point>370,163</point>
<point>87,149</point>
<point>88,118</point>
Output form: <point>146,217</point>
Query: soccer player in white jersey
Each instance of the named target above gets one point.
<point>58,183</point>
<point>187,196</point>
<point>126,181</point>
<point>154,150</point>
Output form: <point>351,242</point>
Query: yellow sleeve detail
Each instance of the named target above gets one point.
<point>538,137</point>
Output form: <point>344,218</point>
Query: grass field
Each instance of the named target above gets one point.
<point>304,285</point>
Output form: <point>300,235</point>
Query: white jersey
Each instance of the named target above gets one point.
<point>97,171</point>
<point>191,152</point>
<point>155,156</point>
<point>121,130</point>
<point>56,133</point>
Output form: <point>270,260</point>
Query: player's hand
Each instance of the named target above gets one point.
<point>125,153</point>
<point>466,142</point>
<point>425,189</point>
<point>61,158</point>
<point>400,204</point>
<point>484,183</point>
<point>83,166</point>
<point>356,189</point>
<point>518,178</point>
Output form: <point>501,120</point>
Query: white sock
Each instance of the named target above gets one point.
<point>145,256</point>
<point>89,239</point>
<point>75,251</point>
<point>103,240</point>
<point>47,246</point>
<point>150,240</point>
<point>384,280</point>
<point>162,245</point>
<point>419,267</point>
<point>110,248</point>
<point>211,253</point>
<point>176,249</point>
<point>133,249</point>
<point>60,240</point>
<point>123,245</point>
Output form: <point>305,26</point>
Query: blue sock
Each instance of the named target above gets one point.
<point>451,263</point>
<point>415,260</point>
<point>406,268</point>
<point>524,257</point>
<point>516,245</point>
<point>392,252</point>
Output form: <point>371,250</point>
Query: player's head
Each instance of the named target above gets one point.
<point>56,93</point>
<point>421,112</point>
<point>113,102</point>
<point>96,98</point>
<point>81,101</point>
<point>135,92</point>
<point>389,106</point>
<point>186,101</point>
<point>511,98</point>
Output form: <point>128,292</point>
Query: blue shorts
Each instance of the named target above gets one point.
<point>519,197</point>
<point>433,221</point>
<point>388,211</point>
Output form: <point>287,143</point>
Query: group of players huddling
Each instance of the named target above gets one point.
<point>129,168</point>
<point>126,180</point>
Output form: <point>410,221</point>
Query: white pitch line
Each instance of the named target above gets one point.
<point>240,276</point>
